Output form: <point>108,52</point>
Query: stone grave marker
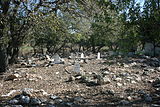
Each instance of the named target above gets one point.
<point>48,58</point>
<point>82,57</point>
<point>76,67</point>
<point>111,53</point>
<point>98,55</point>
<point>29,61</point>
<point>148,49</point>
<point>72,55</point>
<point>56,59</point>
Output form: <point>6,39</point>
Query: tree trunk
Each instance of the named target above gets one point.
<point>154,49</point>
<point>93,49</point>
<point>3,59</point>
<point>14,56</point>
<point>158,4</point>
<point>93,45</point>
<point>79,49</point>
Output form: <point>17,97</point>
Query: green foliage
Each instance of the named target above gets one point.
<point>149,22</point>
<point>50,32</point>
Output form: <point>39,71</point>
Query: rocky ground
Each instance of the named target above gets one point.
<point>111,82</point>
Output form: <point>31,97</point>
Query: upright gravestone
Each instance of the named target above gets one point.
<point>56,59</point>
<point>72,55</point>
<point>111,53</point>
<point>82,57</point>
<point>149,49</point>
<point>29,61</point>
<point>98,55</point>
<point>48,58</point>
<point>76,67</point>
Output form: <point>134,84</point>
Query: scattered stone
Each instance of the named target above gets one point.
<point>138,78</point>
<point>24,64</point>
<point>78,77</point>
<point>72,56</point>
<point>133,82</point>
<point>147,98</point>
<point>53,97</point>
<point>125,65</point>
<point>57,73</point>
<point>27,91</point>
<point>91,82</point>
<point>119,84</point>
<point>11,93</point>
<point>118,79</point>
<point>71,78</point>
<point>42,92</point>
<point>1,85</point>
<point>58,101</point>
<point>141,92</point>
<point>151,81</point>
<point>133,64</point>
<point>129,98</point>
<point>43,100</point>
<point>24,99</point>
<point>14,101</point>
<point>154,62</point>
<point>68,69</point>
<point>79,99</point>
<point>105,73</point>
<point>158,69</point>
<point>124,74</point>
<point>124,102</point>
<point>50,106</point>
<point>33,77</point>
<point>12,77</point>
<point>35,101</point>
<point>145,73</point>
<point>69,104</point>
<point>103,80</point>
<point>109,92</point>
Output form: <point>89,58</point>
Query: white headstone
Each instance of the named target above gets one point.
<point>82,55</point>
<point>48,58</point>
<point>76,67</point>
<point>29,61</point>
<point>72,55</point>
<point>56,59</point>
<point>98,55</point>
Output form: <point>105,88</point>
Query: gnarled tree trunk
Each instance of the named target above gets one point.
<point>3,59</point>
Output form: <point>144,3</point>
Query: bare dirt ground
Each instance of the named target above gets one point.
<point>131,83</point>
